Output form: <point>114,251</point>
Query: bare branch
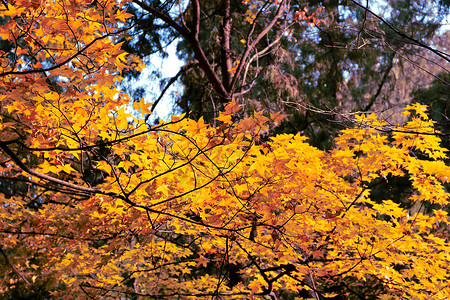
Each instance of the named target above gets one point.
<point>441,54</point>
<point>196,47</point>
<point>196,13</point>
<point>225,44</point>
<point>169,84</point>
<point>280,11</point>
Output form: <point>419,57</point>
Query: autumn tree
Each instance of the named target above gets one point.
<point>108,205</point>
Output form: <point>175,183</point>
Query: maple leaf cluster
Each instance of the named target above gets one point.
<point>110,205</point>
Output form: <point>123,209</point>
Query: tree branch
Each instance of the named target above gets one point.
<point>246,53</point>
<point>196,47</point>
<point>225,47</point>
<point>13,156</point>
<point>441,54</point>
<point>169,84</point>
<point>196,13</point>
<point>382,83</point>
<point>14,268</point>
<point>79,52</point>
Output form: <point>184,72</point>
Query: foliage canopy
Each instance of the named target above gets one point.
<point>102,204</point>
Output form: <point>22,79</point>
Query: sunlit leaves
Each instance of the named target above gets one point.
<point>182,208</point>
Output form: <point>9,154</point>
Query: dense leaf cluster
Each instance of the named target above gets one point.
<point>97,202</point>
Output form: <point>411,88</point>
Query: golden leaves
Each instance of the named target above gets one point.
<point>142,107</point>
<point>172,204</point>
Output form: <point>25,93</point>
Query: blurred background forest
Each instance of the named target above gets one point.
<point>322,62</point>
